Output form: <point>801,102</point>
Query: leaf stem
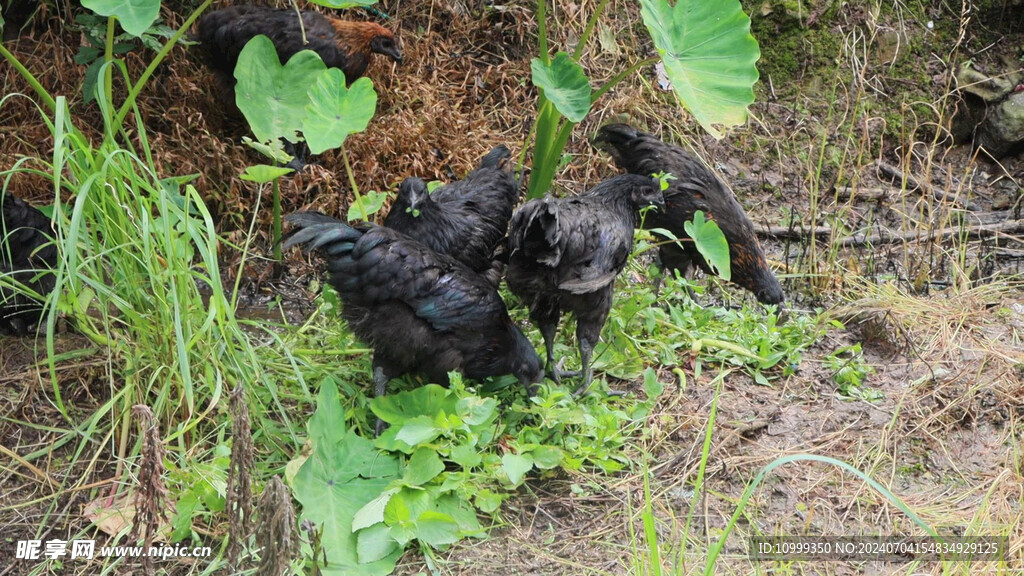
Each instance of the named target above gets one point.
<point>589,29</point>
<point>542,31</point>
<point>32,81</point>
<point>621,75</point>
<point>160,56</point>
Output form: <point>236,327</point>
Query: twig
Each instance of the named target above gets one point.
<point>895,174</point>
<point>972,232</point>
<point>793,233</point>
<point>975,233</point>
<point>847,192</point>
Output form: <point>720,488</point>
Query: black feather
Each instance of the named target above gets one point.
<point>420,311</point>
<point>466,219</point>
<point>564,254</point>
<point>27,256</point>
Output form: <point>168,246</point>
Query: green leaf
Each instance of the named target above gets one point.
<point>653,387</point>
<point>375,543</point>
<point>271,96</point>
<point>91,81</point>
<point>341,476</point>
<point>420,401</point>
<point>423,466</point>
<point>335,110</point>
<point>476,411</point>
<point>487,501</point>
<point>418,430</point>
<point>710,242</point>
<point>546,457</point>
<point>366,205</point>
<point>710,56</point>
<point>465,455</point>
<point>437,528</point>
<point>135,16</point>
<point>273,149</point>
<point>373,512</point>
<point>262,173</point>
<point>516,466</point>
<point>461,512</point>
<point>565,84</point>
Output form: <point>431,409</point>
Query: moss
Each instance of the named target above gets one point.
<point>789,49</point>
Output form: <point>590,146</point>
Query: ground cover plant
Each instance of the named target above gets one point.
<point>888,400</point>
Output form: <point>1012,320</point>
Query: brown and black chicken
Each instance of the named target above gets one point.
<point>564,254</point>
<point>694,188</point>
<point>340,43</point>
<point>466,219</point>
<point>27,257</point>
<point>421,311</point>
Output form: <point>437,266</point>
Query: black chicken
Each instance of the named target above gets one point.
<point>27,256</point>
<point>340,43</point>
<point>465,219</point>
<point>419,310</point>
<point>564,253</point>
<point>694,188</point>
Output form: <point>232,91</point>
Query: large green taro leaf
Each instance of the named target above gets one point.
<point>710,56</point>
<point>273,97</point>
<point>135,16</point>
<point>334,110</point>
<point>565,84</point>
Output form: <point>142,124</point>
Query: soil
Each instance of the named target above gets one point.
<point>845,86</point>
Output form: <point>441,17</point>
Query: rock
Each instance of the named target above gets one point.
<point>1003,128</point>
<point>977,83</point>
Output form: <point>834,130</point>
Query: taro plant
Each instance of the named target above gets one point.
<point>92,53</point>
<point>302,96</point>
<point>708,55</point>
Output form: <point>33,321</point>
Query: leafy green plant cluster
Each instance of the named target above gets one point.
<point>850,372</point>
<point>447,454</point>
<point>644,328</point>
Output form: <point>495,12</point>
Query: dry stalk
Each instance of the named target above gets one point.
<point>151,492</point>
<point>239,498</point>
<point>276,534</point>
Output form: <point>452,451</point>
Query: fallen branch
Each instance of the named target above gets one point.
<point>847,192</point>
<point>912,183</point>
<point>787,233</point>
<point>971,232</point>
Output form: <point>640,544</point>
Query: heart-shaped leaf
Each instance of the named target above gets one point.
<point>565,84</point>
<point>135,16</point>
<point>710,242</point>
<point>366,205</point>
<point>273,97</point>
<point>709,55</point>
<point>335,111</point>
